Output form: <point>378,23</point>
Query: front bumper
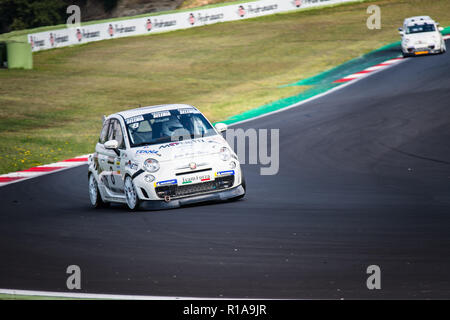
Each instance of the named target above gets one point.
<point>209,197</point>
<point>416,51</point>
<point>175,183</point>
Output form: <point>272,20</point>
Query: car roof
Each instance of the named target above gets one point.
<point>418,20</point>
<point>143,110</point>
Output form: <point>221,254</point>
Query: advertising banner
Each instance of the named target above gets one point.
<point>167,22</point>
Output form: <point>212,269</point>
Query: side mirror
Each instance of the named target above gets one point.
<point>221,127</point>
<point>111,144</point>
<point>400,31</point>
<point>441,29</point>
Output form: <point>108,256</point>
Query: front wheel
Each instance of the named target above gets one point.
<point>94,193</point>
<point>131,194</point>
<point>244,187</point>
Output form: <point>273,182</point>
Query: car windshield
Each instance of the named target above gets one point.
<point>166,126</point>
<point>420,28</point>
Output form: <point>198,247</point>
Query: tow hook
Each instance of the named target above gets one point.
<point>167,198</point>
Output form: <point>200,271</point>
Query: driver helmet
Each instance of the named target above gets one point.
<point>170,126</point>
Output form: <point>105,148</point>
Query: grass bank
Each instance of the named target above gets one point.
<point>23,297</point>
<point>54,111</point>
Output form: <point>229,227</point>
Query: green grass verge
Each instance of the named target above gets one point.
<point>54,111</point>
<point>22,297</point>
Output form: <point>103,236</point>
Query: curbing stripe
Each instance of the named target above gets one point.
<point>41,169</point>
<point>314,97</point>
<point>9,179</point>
<point>33,172</point>
<point>76,160</point>
<point>367,71</point>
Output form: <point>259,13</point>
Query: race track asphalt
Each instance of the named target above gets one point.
<point>364,180</point>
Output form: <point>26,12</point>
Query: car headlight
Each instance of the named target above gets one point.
<point>225,154</point>
<point>151,165</point>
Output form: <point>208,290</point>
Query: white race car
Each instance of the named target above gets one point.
<point>163,157</point>
<point>421,35</point>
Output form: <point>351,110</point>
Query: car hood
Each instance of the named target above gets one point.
<point>180,149</point>
<point>425,38</point>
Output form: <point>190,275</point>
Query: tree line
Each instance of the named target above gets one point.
<point>26,14</point>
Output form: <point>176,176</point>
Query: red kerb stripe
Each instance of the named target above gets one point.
<point>9,179</point>
<point>364,71</point>
<point>344,80</point>
<point>41,169</point>
<point>76,160</point>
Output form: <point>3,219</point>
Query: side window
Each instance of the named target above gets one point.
<point>115,132</point>
<point>104,132</point>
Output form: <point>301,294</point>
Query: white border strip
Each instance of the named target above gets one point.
<point>76,295</point>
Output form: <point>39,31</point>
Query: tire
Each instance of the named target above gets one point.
<point>243,186</point>
<point>94,193</point>
<point>131,196</point>
<point>243,183</point>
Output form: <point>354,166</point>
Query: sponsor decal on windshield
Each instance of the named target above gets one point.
<point>160,114</point>
<point>134,119</point>
<point>187,110</point>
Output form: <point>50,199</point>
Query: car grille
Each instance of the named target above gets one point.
<point>193,189</point>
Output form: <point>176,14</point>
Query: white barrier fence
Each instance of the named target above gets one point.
<point>167,22</point>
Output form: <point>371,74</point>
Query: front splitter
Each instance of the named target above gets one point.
<point>209,197</point>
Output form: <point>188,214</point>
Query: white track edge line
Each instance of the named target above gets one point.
<point>77,295</point>
<point>319,95</point>
<point>2,184</point>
